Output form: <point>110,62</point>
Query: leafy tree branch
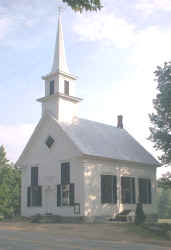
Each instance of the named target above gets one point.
<point>161,118</point>
<point>80,5</point>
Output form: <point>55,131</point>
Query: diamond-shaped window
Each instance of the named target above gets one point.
<point>49,142</point>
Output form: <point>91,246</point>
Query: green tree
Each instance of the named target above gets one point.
<point>165,181</point>
<point>164,203</point>
<point>161,119</point>
<point>80,5</point>
<point>10,186</point>
<point>164,196</point>
<point>3,159</point>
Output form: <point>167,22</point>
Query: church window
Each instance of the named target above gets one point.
<point>144,190</point>
<point>34,192</point>
<point>108,189</point>
<point>49,142</point>
<point>65,195</point>
<point>34,196</point>
<point>34,176</point>
<point>128,190</point>
<point>65,190</point>
<point>66,87</point>
<point>65,173</point>
<point>51,92</point>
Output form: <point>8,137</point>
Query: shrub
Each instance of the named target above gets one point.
<point>10,187</point>
<point>139,214</point>
<point>1,217</point>
<point>36,218</point>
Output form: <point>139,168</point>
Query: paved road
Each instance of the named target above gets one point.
<point>17,240</point>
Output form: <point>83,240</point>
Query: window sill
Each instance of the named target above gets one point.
<point>33,206</point>
<point>65,206</point>
<point>108,203</point>
<point>128,203</point>
<point>146,203</point>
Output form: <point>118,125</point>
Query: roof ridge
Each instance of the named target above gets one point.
<point>98,122</point>
<point>95,138</point>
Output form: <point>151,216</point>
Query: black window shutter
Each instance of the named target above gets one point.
<point>128,190</point>
<point>39,198</point>
<point>34,176</point>
<point>142,190</point>
<point>122,191</point>
<point>65,173</point>
<point>145,191</point>
<point>123,194</point>
<point>102,189</point>
<point>58,195</point>
<point>34,195</point>
<point>62,173</point>
<point>133,191</point>
<point>36,192</point>
<point>149,191</point>
<point>71,194</point>
<point>114,189</point>
<point>28,196</point>
<point>106,189</point>
<point>125,190</point>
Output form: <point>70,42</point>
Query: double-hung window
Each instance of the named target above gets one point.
<point>65,173</point>
<point>34,176</point>
<point>34,192</point>
<point>65,190</point>
<point>108,189</point>
<point>34,196</point>
<point>128,190</point>
<point>144,190</point>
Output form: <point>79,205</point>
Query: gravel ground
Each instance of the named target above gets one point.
<point>24,235</point>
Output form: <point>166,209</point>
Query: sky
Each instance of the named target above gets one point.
<point>114,52</point>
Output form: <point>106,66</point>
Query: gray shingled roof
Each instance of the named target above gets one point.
<point>98,139</point>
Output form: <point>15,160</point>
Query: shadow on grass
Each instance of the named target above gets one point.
<point>150,231</point>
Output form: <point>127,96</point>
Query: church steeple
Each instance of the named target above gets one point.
<point>59,61</point>
<point>60,100</point>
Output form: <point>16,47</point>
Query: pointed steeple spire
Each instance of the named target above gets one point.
<point>59,61</point>
<point>60,100</point>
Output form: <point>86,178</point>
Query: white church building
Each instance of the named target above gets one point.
<point>77,167</point>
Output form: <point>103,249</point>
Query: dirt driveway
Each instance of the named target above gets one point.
<point>118,233</point>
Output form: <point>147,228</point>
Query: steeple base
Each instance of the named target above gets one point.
<point>63,108</point>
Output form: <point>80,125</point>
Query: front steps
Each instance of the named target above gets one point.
<point>50,218</point>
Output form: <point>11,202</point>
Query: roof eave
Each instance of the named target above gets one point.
<point>71,76</point>
<point>58,94</point>
<point>118,160</point>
